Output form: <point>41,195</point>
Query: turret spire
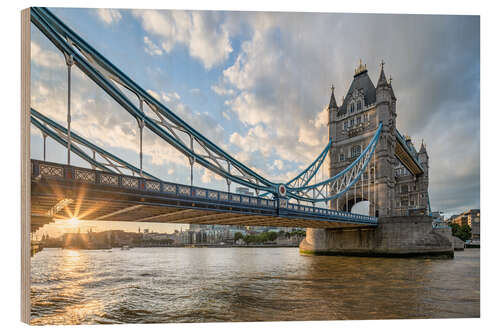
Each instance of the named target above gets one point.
<point>333,102</point>
<point>422,148</point>
<point>382,81</point>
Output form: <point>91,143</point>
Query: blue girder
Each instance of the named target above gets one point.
<point>63,38</point>
<point>104,73</point>
<point>366,154</point>
<point>315,166</point>
<point>37,118</point>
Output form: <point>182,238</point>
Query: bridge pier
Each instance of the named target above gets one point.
<point>399,236</point>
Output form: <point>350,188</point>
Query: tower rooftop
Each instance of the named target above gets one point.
<point>363,83</point>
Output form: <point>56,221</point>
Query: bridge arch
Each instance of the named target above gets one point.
<point>355,204</point>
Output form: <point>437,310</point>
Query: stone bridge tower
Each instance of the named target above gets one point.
<point>395,182</point>
<point>398,177</point>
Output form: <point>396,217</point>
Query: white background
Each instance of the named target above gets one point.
<point>490,121</point>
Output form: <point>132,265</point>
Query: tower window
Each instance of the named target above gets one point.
<point>355,151</point>
<point>365,117</point>
<point>358,120</point>
<point>359,106</point>
<point>351,107</point>
<point>351,122</point>
<point>341,157</point>
<point>345,125</point>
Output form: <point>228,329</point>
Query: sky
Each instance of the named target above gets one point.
<point>257,83</point>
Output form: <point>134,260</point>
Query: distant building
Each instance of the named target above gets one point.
<point>472,218</point>
<point>244,191</point>
<point>469,217</point>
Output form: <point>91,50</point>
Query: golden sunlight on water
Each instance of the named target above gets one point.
<point>146,285</point>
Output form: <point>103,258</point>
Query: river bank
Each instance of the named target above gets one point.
<point>180,246</point>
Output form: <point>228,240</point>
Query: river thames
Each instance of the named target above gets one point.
<point>154,285</point>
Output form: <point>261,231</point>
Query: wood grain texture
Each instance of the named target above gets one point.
<point>25,165</point>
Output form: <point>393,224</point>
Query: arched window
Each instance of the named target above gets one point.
<point>351,107</point>
<point>359,105</point>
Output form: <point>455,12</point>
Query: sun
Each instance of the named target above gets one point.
<point>73,221</point>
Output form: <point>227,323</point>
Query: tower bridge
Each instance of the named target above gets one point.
<point>369,160</point>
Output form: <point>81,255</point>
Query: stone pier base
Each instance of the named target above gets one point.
<point>400,236</point>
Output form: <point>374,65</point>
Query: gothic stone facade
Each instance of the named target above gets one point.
<point>387,184</point>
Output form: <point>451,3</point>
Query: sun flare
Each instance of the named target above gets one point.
<point>73,221</point>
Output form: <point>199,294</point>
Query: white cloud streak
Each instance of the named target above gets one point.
<point>206,39</point>
<point>109,16</point>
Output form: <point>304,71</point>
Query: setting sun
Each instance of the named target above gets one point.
<point>73,221</point>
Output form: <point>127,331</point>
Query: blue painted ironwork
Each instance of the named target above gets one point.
<point>429,204</point>
<point>337,185</point>
<point>303,178</point>
<point>190,196</point>
<point>168,126</point>
<point>59,134</point>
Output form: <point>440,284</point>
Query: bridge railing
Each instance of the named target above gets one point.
<point>50,170</point>
<point>329,213</point>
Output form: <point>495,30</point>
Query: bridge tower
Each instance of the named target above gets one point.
<point>351,126</point>
<point>395,182</point>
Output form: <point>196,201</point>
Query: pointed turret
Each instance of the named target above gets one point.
<point>333,110</point>
<point>333,102</point>
<point>423,149</point>
<point>382,81</point>
<point>383,88</point>
<point>390,88</point>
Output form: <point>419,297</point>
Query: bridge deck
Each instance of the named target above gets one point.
<point>62,192</point>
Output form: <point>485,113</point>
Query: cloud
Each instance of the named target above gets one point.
<point>151,48</point>
<point>46,58</point>
<point>201,32</point>
<point>272,72</point>
<point>109,16</point>
<point>221,91</point>
<point>99,119</point>
<point>282,73</point>
<point>208,177</point>
<point>278,164</point>
<point>250,110</point>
